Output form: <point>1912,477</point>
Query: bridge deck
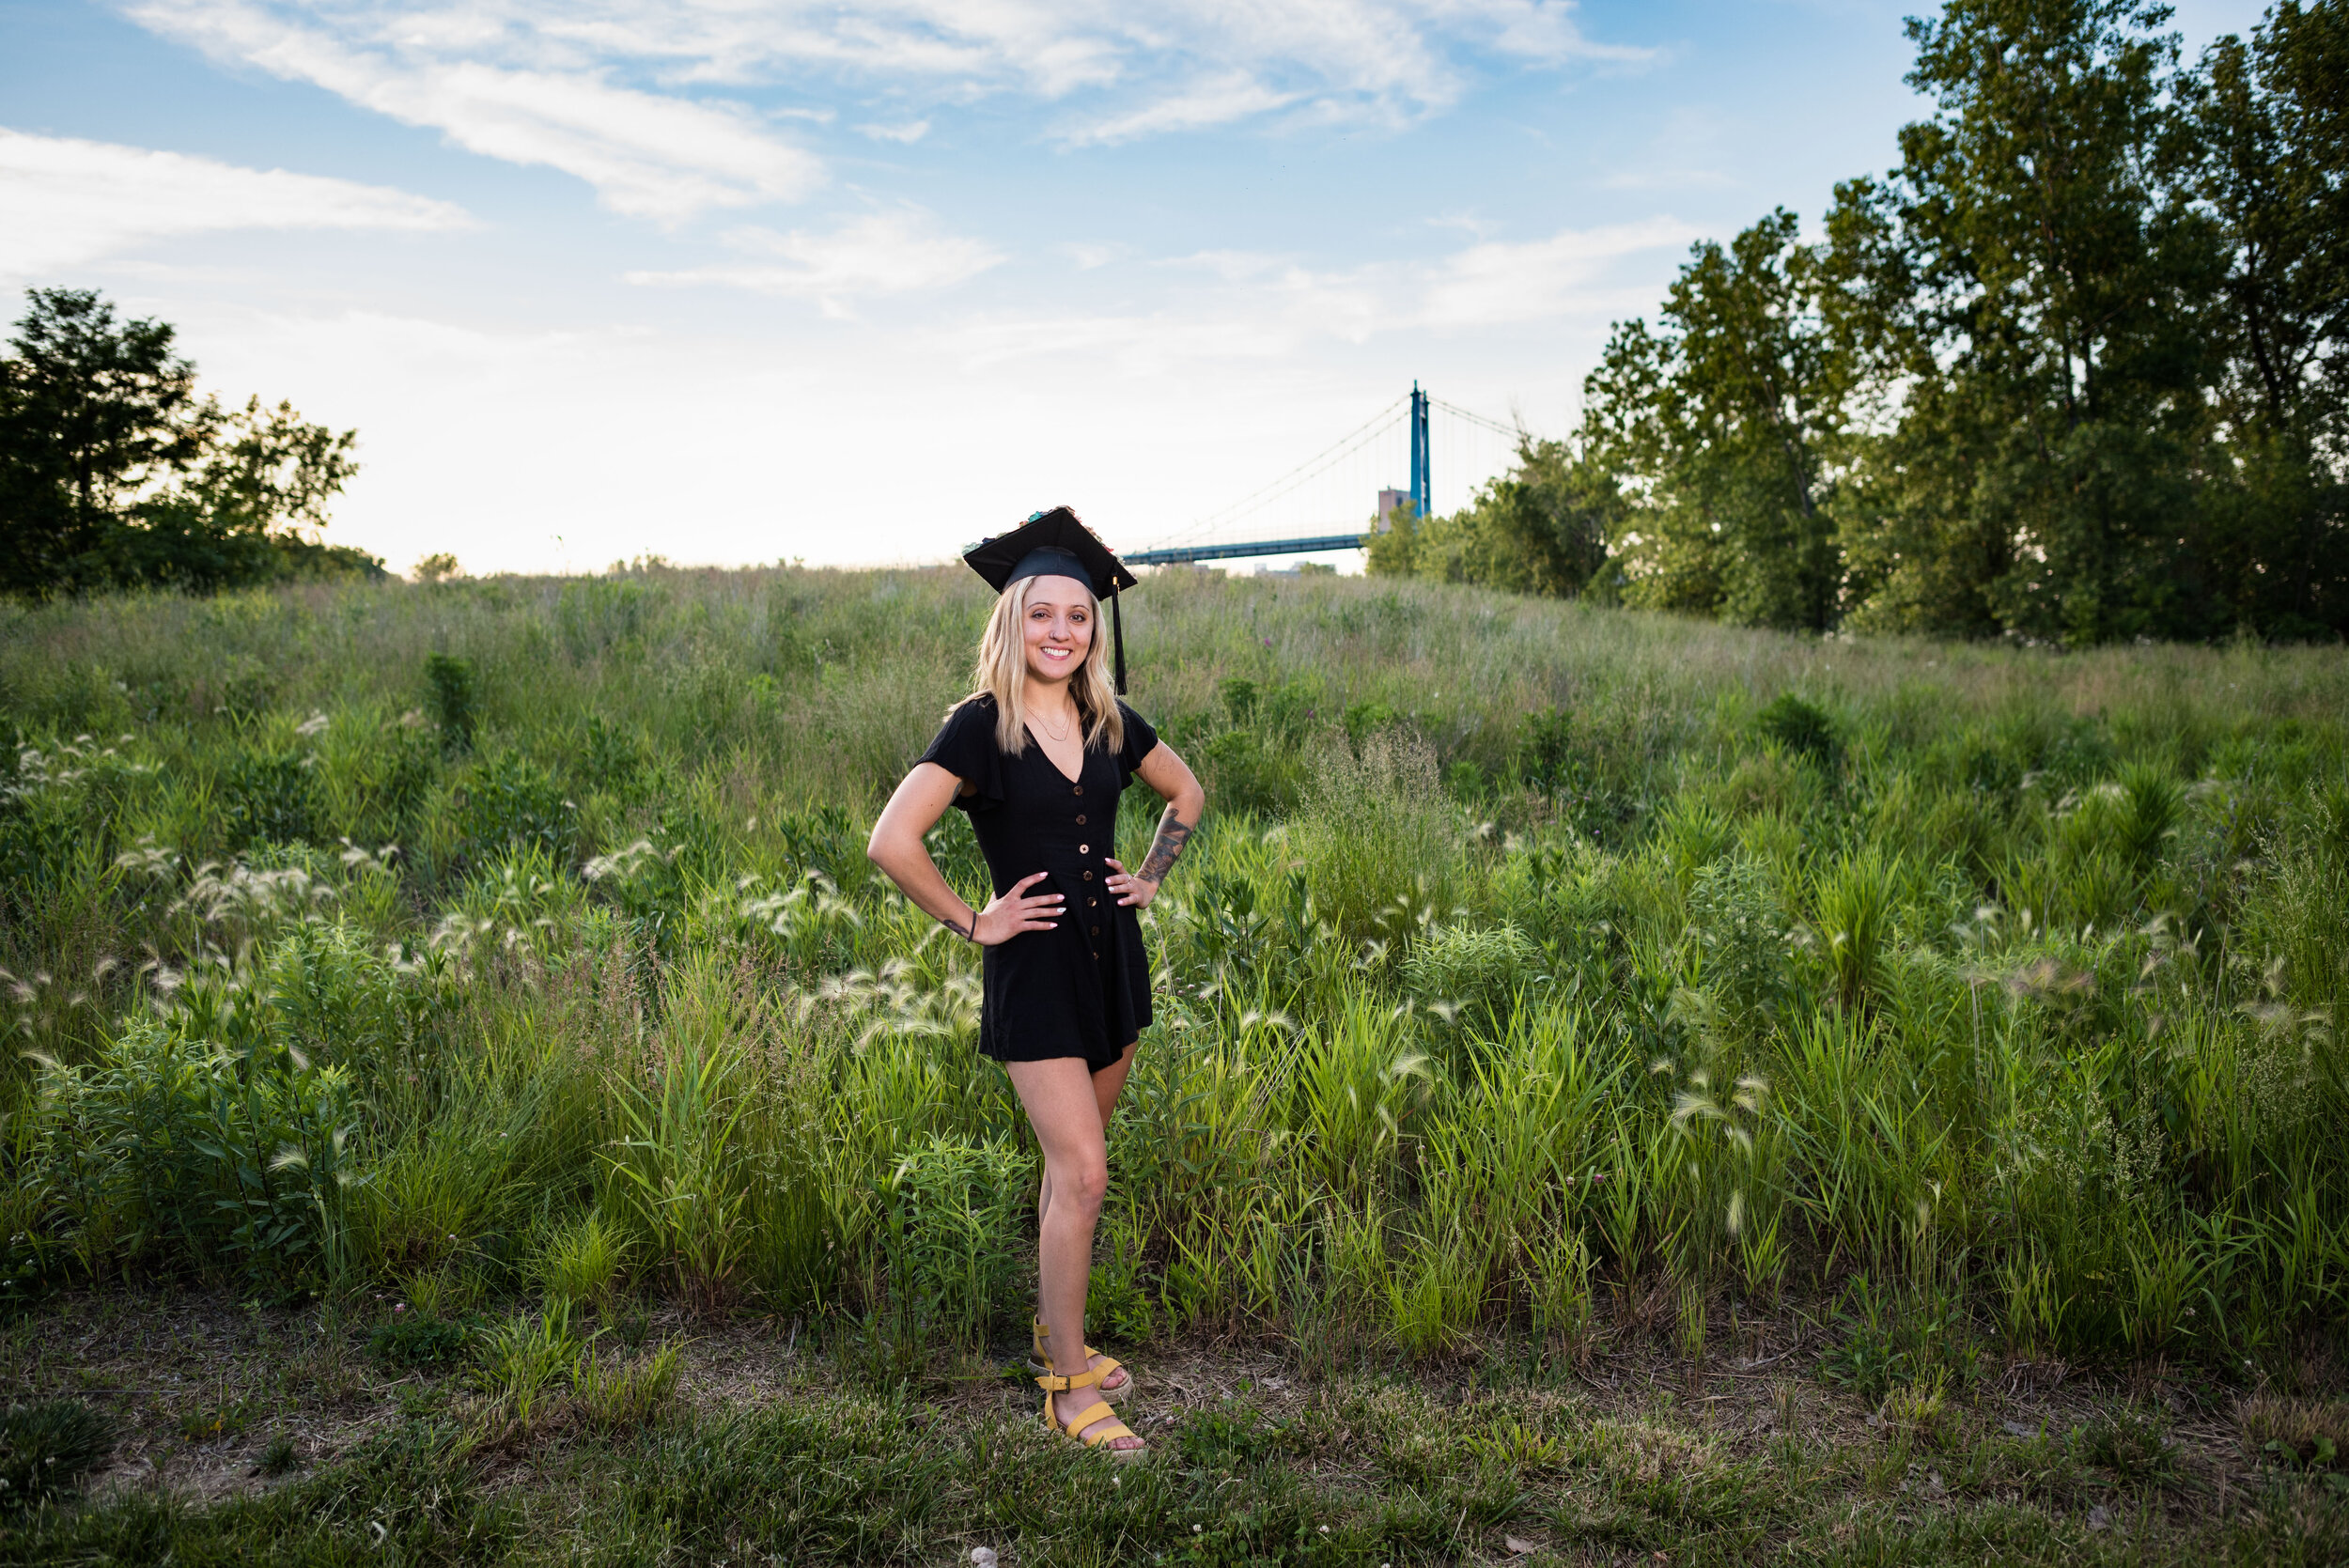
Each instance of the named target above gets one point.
<point>1184,554</point>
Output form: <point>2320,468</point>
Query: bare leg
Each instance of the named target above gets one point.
<point>1066,1115</point>
<point>1107,1085</point>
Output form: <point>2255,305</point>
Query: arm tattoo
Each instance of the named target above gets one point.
<point>1173,832</point>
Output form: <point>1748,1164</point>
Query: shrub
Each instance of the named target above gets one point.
<point>1382,849</point>
<point>454,699</point>
<point>1802,728</point>
<point>1889,1338</point>
<point>418,1339</point>
<point>270,797</point>
<point>617,1395</point>
<point>955,1218</point>
<point>1854,899</point>
<point>599,614</point>
<point>1546,755</point>
<point>517,1361</point>
<point>1744,936</point>
<point>339,1000</point>
<point>1245,773</point>
<point>46,1449</point>
<point>2295,1434</point>
<point>2134,1446</point>
<point>582,1261</point>
<point>512,803</point>
<point>1478,969</point>
<point>605,756</point>
<point>683,1169</point>
<point>1366,718</point>
<point>217,1156</point>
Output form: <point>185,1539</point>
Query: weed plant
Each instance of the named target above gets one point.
<point>47,1448</point>
<point>462,939</point>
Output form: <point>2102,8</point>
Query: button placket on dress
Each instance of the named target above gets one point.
<point>1039,999</point>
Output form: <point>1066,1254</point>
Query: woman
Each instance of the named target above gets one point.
<point>1038,755</point>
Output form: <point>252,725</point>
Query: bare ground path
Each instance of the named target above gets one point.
<point>232,1414</point>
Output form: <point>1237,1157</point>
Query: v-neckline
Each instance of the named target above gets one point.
<point>1076,778</point>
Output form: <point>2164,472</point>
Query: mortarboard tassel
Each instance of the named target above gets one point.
<point>1117,637</point>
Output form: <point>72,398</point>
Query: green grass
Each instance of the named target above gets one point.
<point>1364,1471</point>
<point>1545,977</point>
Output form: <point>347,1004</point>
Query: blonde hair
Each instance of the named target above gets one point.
<point>1002,673</point>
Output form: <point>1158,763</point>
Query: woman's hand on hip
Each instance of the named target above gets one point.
<point>1131,891</point>
<point>1009,914</point>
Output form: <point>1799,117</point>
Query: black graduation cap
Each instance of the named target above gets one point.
<point>1056,544</point>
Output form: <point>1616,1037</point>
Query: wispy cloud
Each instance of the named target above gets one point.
<point>881,253</point>
<point>648,154</point>
<point>1667,180</point>
<point>1267,308</point>
<point>1221,100</point>
<point>1498,283</point>
<point>646,100</point>
<point>1683,154</point>
<point>70,202</point>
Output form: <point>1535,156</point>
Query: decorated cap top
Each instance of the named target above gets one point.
<point>1050,544</point>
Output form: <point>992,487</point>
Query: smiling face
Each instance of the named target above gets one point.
<point>1057,628</point>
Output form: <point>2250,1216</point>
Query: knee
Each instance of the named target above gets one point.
<point>1082,1184</point>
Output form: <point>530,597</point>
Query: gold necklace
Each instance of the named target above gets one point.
<point>1061,734</point>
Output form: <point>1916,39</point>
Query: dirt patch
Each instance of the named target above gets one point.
<point>203,1385</point>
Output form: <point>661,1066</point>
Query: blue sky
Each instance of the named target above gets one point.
<point>761,279</point>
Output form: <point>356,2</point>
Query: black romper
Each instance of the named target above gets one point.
<point>1081,989</point>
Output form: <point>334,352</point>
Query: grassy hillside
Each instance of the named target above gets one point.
<point>1548,984</point>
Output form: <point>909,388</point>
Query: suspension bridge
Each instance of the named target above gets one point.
<point>1337,498</point>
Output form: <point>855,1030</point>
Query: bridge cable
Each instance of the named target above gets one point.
<point>1343,446</point>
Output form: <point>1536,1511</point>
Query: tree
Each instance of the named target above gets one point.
<point>1551,516</point>
<point>1542,528</point>
<point>2274,124</point>
<point>2073,370</point>
<point>114,472</point>
<point>92,411</point>
<point>2053,336</point>
<point>1724,426</point>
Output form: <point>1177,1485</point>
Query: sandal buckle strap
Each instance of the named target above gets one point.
<point>1053,1384</point>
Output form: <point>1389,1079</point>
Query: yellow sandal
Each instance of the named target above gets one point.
<point>1041,1362</point>
<point>1097,1411</point>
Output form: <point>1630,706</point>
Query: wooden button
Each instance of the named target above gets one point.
<point>1080,819</point>
<point>1091,902</point>
<point>1078,789</point>
<point>1084,849</point>
<point>1096,930</point>
<point>1088,876</point>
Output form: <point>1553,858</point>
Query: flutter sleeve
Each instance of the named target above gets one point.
<point>965,747</point>
<point>1141,740</point>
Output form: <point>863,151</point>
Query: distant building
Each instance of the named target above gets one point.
<point>1388,502</point>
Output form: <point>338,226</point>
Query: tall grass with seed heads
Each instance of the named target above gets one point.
<point>1539,967</point>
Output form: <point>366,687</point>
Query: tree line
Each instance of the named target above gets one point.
<point>116,471</point>
<point>2072,371</point>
